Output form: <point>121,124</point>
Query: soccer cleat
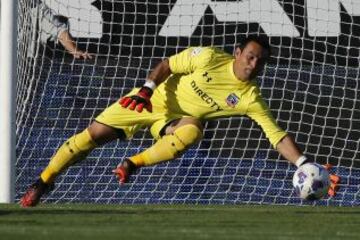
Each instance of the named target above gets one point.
<point>32,196</point>
<point>124,170</point>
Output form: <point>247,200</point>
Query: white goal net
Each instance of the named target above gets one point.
<point>311,85</point>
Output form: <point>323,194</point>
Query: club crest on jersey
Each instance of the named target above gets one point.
<point>232,100</point>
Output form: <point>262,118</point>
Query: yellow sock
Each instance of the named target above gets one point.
<point>73,150</point>
<point>169,146</point>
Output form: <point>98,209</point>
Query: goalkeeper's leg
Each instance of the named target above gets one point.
<point>75,149</point>
<point>179,136</point>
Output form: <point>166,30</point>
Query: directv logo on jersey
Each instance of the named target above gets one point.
<point>232,100</point>
<point>205,97</point>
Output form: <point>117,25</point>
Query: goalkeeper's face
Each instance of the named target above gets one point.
<point>249,61</point>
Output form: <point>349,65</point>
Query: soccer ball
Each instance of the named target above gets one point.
<point>311,181</point>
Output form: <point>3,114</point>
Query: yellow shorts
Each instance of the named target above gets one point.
<point>131,121</point>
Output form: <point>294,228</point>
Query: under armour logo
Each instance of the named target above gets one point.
<point>205,75</point>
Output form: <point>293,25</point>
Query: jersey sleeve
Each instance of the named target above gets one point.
<point>190,59</point>
<point>51,24</point>
<point>261,114</point>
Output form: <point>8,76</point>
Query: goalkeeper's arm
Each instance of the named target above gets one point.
<point>290,151</point>
<point>142,99</point>
<point>160,73</point>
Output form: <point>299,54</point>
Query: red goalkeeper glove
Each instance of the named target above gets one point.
<point>334,181</point>
<point>139,101</point>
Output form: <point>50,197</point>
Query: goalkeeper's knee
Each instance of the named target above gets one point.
<point>169,146</point>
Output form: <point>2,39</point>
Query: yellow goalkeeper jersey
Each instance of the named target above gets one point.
<point>203,85</point>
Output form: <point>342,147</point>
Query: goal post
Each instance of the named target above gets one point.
<point>8,51</point>
<point>311,85</point>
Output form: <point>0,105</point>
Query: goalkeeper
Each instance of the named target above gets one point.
<point>198,84</point>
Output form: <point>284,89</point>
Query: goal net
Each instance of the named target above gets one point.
<point>311,85</point>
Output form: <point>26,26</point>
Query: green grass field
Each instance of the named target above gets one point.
<point>81,221</point>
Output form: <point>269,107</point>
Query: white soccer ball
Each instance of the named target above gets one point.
<point>311,181</point>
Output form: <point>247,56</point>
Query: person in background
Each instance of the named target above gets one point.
<point>48,26</point>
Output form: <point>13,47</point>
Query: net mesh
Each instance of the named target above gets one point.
<point>311,85</point>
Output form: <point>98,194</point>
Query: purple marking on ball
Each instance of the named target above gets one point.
<point>302,176</point>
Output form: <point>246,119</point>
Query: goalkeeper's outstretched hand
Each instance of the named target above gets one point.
<point>334,181</point>
<point>139,101</point>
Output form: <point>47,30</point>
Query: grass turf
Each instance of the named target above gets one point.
<point>91,221</point>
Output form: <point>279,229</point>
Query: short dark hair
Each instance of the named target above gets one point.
<point>261,40</point>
